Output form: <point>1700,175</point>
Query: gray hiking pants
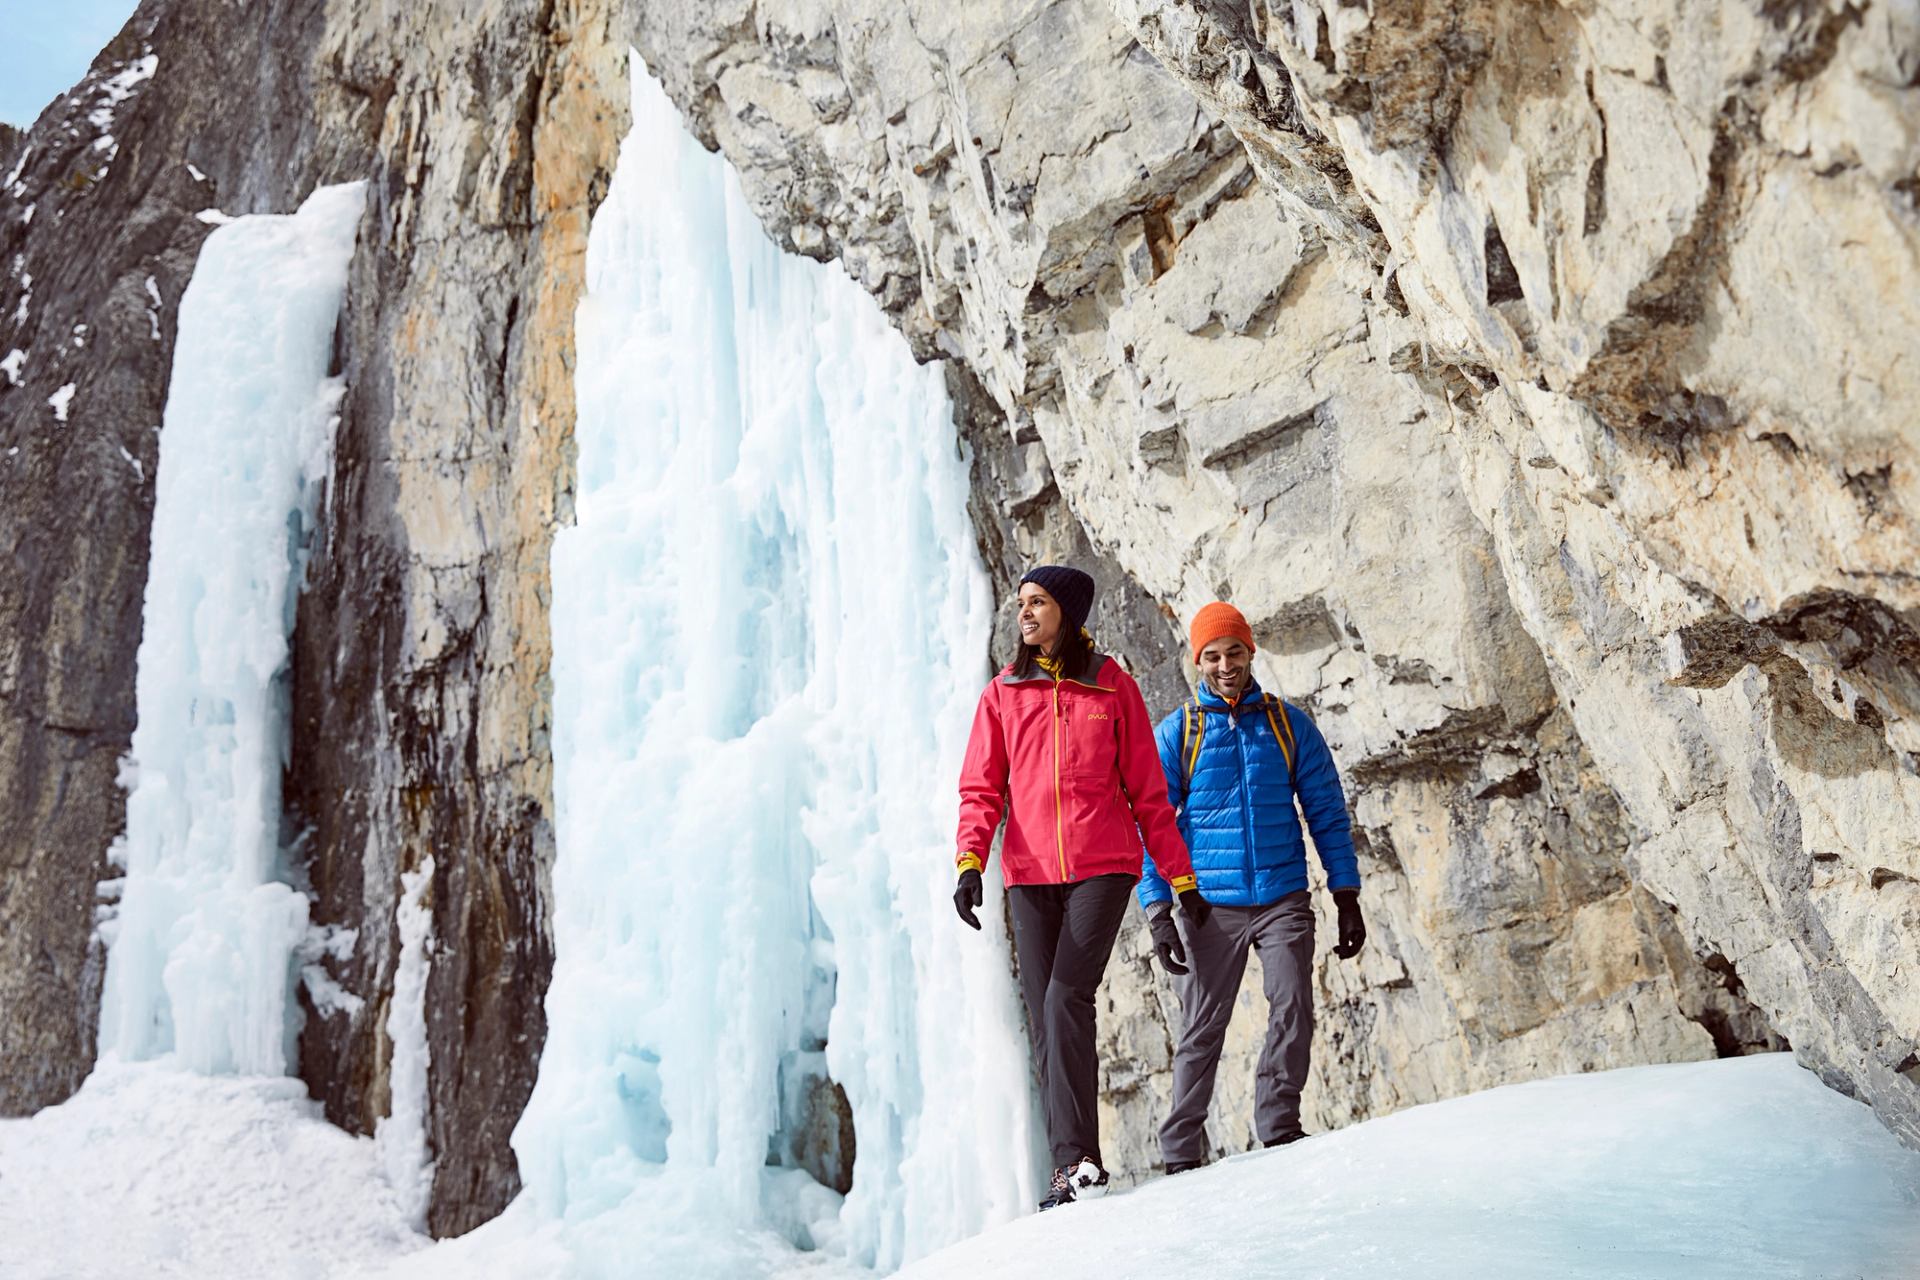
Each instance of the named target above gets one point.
<point>1217,958</point>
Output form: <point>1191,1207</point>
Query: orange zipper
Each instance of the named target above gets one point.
<point>1059,827</point>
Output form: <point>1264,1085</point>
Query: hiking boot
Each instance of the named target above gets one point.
<point>1181,1166</point>
<point>1291,1135</point>
<point>1081,1180</point>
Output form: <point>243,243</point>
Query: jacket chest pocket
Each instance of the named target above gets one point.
<point>1029,726</point>
<point>1089,737</point>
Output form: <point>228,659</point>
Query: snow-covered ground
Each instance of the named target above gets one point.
<point>152,1171</point>
<point>1744,1168</point>
<point>768,623</point>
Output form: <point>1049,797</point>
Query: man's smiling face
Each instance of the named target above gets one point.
<point>1227,667</point>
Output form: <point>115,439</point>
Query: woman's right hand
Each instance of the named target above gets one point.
<point>967,895</point>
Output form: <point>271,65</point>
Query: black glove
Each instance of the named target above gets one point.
<point>1166,938</point>
<point>967,895</point>
<point>1353,930</point>
<point>1196,907</point>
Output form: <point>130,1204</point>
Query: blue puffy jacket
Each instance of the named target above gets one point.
<point>1237,813</point>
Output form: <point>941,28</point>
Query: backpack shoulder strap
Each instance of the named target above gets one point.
<point>1193,727</point>
<point>1282,731</point>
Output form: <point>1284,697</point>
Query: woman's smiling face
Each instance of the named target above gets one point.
<point>1039,617</point>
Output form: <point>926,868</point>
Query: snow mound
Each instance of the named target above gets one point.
<point>1746,1168</point>
<point>151,1171</point>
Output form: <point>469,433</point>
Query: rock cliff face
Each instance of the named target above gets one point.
<point>1672,250</point>
<point>421,696</point>
<point>1532,375</point>
<point>420,686</point>
<point>89,285</point>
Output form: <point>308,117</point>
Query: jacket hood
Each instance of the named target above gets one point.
<point>1096,670</point>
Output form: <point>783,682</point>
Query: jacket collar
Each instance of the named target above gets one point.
<point>1094,679</point>
<point>1211,701</point>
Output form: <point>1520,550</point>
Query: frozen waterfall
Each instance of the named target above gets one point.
<point>769,624</point>
<point>200,963</point>
<point>768,1036</point>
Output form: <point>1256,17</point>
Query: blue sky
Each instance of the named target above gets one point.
<point>46,45</point>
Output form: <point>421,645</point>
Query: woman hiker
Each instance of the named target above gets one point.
<point>1062,746</point>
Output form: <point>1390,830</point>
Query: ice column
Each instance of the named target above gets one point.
<point>200,963</point>
<point>769,631</point>
<point>401,1136</point>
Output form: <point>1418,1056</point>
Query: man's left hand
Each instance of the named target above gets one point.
<point>1353,929</point>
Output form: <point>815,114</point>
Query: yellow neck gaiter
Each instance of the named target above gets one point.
<point>1055,667</point>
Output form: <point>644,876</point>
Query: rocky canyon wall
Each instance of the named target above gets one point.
<point>1533,375</point>
<point>98,238</point>
<point>1672,248</point>
<point>420,693</point>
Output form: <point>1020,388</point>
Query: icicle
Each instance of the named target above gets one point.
<point>401,1136</point>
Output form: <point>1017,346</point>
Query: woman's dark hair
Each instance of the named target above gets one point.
<point>1076,655</point>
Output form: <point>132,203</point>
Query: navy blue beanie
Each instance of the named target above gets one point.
<point>1071,589</point>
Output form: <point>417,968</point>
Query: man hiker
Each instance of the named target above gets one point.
<point>1236,760</point>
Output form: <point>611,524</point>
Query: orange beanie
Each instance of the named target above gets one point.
<point>1218,621</point>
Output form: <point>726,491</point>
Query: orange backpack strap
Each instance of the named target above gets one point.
<point>1282,731</point>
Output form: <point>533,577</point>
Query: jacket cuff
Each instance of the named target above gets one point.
<point>968,862</point>
<point>1158,909</point>
<point>1180,884</point>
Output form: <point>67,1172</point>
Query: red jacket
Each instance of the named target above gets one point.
<point>1072,765</point>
